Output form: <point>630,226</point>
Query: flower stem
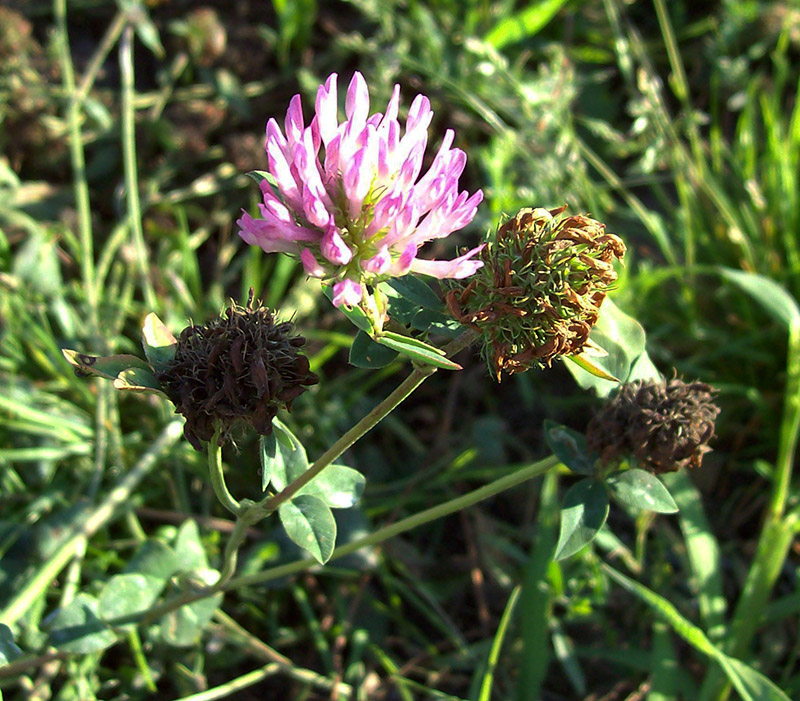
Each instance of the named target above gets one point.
<point>414,380</point>
<point>218,478</point>
<point>436,512</point>
<point>406,524</point>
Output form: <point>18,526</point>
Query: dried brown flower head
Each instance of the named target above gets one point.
<point>237,370</point>
<point>538,293</point>
<point>664,425</point>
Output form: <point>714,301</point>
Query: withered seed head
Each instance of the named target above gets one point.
<point>665,426</point>
<point>538,293</point>
<point>237,370</point>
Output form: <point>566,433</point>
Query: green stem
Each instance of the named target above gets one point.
<point>78,162</point>
<point>218,478</point>
<point>776,535</point>
<point>86,524</point>
<point>390,531</point>
<point>414,380</point>
<point>129,162</point>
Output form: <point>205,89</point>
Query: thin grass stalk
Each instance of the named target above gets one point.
<point>776,537</point>
<point>84,525</point>
<point>129,162</point>
<point>78,161</point>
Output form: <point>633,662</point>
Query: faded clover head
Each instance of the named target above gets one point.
<point>539,292</point>
<point>235,371</point>
<point>347,198</point>
<point>664,425</point>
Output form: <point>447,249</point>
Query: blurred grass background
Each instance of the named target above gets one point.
<point>125,130</point>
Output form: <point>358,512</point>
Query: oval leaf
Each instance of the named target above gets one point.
<point>622,339</point>
<point>107,367</point>
<point>77,628</point>
<point>126,594</point>
<point>289,461</point>
<point>138,380</point>
<point>159,344</point>
<point>309,523</point>
<point>583,514</point>
<point>366,353</point>
<point>641,491</point>
<point>339,486</point>
<point>415,290</point>
<point>417,350</point>
<point>9,650</point>
<point>569,447</point>
<point>184,626</point>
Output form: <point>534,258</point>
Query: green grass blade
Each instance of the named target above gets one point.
<point>702,550</point>
<point>497,645</point>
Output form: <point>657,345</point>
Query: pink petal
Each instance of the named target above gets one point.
<point>457,268</point>
<point>356,105</point>
<point>326,110</point>
<point>294,121</point>
<point>310,264</point>
<point>334,248</point>
<point>347,292</point>
<point>405,261</point>
<point>379,263</point>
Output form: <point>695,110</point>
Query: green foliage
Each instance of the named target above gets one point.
<point>587,103</point>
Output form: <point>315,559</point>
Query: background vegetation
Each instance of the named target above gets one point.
<point>125,130</point>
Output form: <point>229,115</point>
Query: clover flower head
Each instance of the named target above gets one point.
<point>540,289</point>
<point>664,425</point>
<point>347,198</point>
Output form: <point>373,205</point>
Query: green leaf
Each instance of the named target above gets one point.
<point>355,315</point>
<point>751,685</point>
<point>775,300</point>
<point>703,552</point>
<point>366,353</point>
<point>415,290</point>
<point>290,459</point>
<point>569,447</point>
<point>189,550</point>
<point>144,28</point>
<point>583,513</point>
<point>154,559</point>
<point>77,628</point>
<point>159,344</point>
<point>523,24</point>
<point>622,339</point>
<point>339,486</point>
<point>641,491</point>
<point>268,452</point>
<point>138,380</point>
<point>9,650</point>
<point>586,361</point>
<point>417,350</point>
<point>107,367</point>
<point>184,626</point>
<point>310,524</point>
<point>261,175</point>
<point>126,594</point>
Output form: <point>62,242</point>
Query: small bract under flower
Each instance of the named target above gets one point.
<point>348,196</point>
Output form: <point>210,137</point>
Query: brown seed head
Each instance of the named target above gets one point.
<point>237,370</point>
<point>665,426</point>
